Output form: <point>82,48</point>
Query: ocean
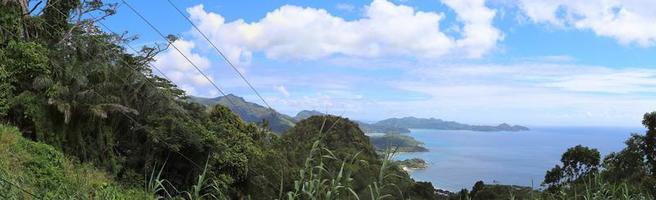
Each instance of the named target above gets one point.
<point>457,159</point>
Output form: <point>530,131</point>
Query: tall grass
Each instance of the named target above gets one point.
<point>376,188</point>
<point>154,184</point>
<point>317,182</point>
<point>204,188</point>
<point>595,188</point>
<point>313,185</point>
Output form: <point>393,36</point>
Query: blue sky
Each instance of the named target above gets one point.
<point>532,62</point>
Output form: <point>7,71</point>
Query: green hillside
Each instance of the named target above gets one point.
<point>81,117</point>
<point>340,148</point>
<point>33,170</point>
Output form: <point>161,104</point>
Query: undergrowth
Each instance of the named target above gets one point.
<point>32,170</point>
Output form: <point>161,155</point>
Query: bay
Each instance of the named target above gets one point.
<point>457,159</point>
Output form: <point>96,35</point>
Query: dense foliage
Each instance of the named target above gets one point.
<point>93,122</point>
<point>342,139</point>
<point>72,88</point>
<point>45,173</point>
<point>628,174</point>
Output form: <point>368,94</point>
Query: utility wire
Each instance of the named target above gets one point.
<point>153,85</point>
<point>148,81</point>
<point>162,35</point>
<point>178,50</point>
<point>220,53</point>
<point>167,97</point>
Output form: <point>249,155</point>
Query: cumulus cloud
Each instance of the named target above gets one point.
<point>386,29</point>
<point>181,72</point>
<point>479,36</point>
<point>626,21</point>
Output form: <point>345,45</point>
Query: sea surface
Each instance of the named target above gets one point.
<point>457,159</point>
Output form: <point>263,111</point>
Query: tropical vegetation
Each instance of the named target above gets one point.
<point>85,107</point>
<point>81,118</point>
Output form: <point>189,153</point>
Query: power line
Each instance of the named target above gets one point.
<point>220,53</point>
<point>185,114</point>
<point>135,51</point>
<point>150,81</point>
<point>178,50</point>
<point>153,85</point>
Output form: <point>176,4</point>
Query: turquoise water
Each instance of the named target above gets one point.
<point>459,158</point>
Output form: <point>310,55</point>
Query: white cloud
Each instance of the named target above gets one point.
<point>182,73</point>
<point>532,93</point>
<point>173,60</point>
<point>626,21</point>
<point>522,93</point>
<point>616,81</point>
<point>386,29</point>
<point>283,90</point>
<point>565,77</point>
<point>479,34</point>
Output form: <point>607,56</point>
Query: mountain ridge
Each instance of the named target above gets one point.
<point>279,122</point>
<point>304,114</point>
<point>434,123</point>
<point>250,112</point>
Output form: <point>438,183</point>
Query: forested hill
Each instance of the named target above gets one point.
<point>402,125</point>
<point>304,114</point>
<point>432,123</point>
<point>279,123</point>
<point>82,118</point>
<point>250,112</point>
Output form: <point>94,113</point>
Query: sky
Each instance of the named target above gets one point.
<point>528,62</point>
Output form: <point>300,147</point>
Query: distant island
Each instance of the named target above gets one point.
<point>279,122</point>
<point>412,164</point>
<point>402,125</point>
<point>375,128</point>
<point>397,142</point>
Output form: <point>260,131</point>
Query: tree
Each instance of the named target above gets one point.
<point>577,162</point>
<point>628,164</point>
<point>553,178</point>
<point>478,186</point>
<point>649,121</point>
<point>463,194</point>
<point>580,161</point>
<point>66,83</point>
